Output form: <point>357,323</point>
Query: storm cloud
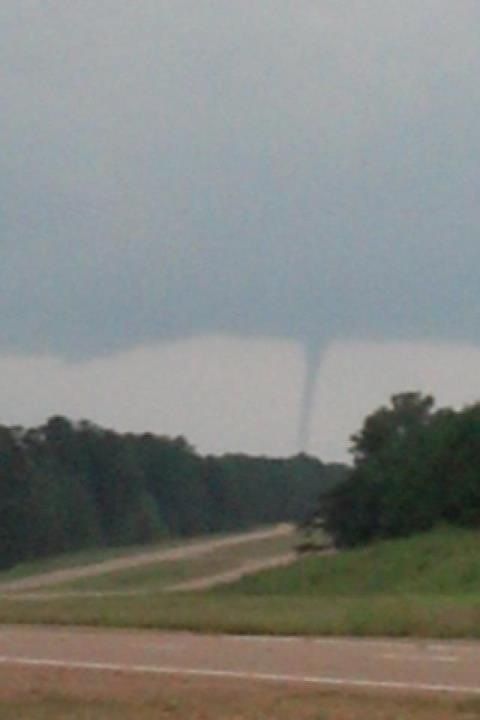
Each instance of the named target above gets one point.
<point>302,170</point>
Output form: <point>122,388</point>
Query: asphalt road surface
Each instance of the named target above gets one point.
<point>413,666</point>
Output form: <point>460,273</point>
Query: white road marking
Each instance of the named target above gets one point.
<point>240,675</point>
<point>267,638</point>
<point>420,658</point>
<point>444,648</point>
<point>359,642</point>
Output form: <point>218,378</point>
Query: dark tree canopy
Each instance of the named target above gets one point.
<point>413,469</point>
<point>66,486</point>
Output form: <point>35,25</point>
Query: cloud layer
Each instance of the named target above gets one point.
<point>226,394</point>
<point>221,393</point>
<point>304,170</point>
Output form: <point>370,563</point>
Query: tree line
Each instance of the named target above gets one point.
<point>66,486</point>
<point>414,467</point>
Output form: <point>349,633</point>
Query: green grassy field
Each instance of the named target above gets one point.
<point>427,586</point>
<point>445,562</point>
<point>396,616</point>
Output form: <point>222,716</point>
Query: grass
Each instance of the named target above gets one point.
<point>445,562</point>
<point>158,575</point>
<point>425,586</point>
<point>93,556</point>
<point>213,613</point>
<point>83,558</point>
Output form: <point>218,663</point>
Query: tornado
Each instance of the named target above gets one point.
<point>313,354</point>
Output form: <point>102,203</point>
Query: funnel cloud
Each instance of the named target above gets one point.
<point>313,356</point>
<point>304,171</point>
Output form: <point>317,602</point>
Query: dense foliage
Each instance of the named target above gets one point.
<point>66,486</point>
<point>414,468</point>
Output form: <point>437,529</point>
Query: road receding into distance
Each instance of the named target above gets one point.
<point>413,666</point>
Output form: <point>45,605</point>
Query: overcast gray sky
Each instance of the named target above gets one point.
<point>295,175</point>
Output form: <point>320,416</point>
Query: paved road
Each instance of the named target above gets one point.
<point>192,550</point>
<point>415,666</point>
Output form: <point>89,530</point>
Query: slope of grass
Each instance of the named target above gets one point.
<point>84,557</point>
<point>444,562</point>
<point>158,575</point>
<point>400,616</point>
<point>424,586</point>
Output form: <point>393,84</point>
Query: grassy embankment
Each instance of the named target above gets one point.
<point>160,575</point>
<point>427,586</point>
<point>83,558</point>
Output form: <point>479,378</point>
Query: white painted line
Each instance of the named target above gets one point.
<point>240,675</point>
<point>420,658</point>
<point>393,644</point>
<point>267,638</point>
<point>448,649</point>
<point>358,642</point>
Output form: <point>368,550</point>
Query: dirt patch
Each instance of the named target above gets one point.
<point>115,696</point>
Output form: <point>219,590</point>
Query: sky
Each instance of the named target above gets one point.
<point>212,213</point>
